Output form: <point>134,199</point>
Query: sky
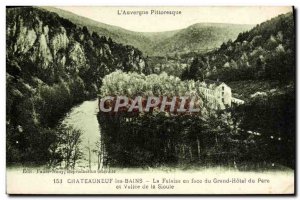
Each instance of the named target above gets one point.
<point>188,16</point>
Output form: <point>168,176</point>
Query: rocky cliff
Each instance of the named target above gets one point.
<point>51,65</point>
<point>57,47</point>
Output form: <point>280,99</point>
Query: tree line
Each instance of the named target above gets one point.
<point>51,65</point>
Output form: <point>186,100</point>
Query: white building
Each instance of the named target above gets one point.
<point>218,95</point>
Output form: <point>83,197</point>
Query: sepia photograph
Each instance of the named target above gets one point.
<point>150,100</point>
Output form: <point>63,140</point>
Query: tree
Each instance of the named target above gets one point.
<point>69,140</point>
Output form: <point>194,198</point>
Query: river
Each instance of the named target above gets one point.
<point>84,118</point>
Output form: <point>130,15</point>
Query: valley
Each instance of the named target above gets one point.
<point>58,63</point>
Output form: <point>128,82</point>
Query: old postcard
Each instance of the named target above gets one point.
<point>150,100</point>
